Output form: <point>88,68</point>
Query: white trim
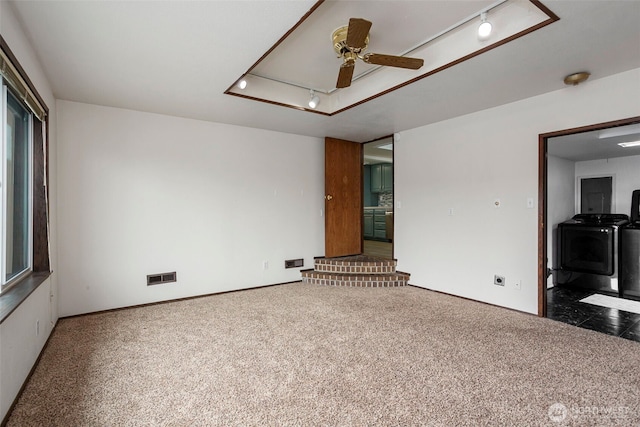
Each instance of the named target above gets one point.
<point>3,203</point>
<point>30,197</point>
<point>3,207</point>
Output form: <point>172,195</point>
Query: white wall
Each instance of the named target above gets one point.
<point>23,335</point>
<point>561,195</point>
<point>143,193</point>
<point>465,164</point>
<point>626,173</point>
<point>19,344</point>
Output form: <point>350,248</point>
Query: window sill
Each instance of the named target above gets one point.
<point>11,299</point>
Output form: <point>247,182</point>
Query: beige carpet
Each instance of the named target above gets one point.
<point>310,355</point>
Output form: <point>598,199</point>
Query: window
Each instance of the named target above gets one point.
<point>24,231</point>
<point>16,184</point>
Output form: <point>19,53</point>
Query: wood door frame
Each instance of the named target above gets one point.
<point>542,199</point>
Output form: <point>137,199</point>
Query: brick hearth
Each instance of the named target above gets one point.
<point>358,270</point>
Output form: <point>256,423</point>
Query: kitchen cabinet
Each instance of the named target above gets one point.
<point>368,223</point>
<point>387,177</point>
<point>382,177</point>
<point>370,199</point>
<point>379,224</point>
<point>375,224</point>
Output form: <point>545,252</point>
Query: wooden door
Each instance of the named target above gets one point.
<point>343,197</point>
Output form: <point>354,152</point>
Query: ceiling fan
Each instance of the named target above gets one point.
<point>352,40</point>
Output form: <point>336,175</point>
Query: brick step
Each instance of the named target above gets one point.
<point>379,280</point>
<point>355,264</point>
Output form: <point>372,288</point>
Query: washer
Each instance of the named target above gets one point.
<point>588,251</point>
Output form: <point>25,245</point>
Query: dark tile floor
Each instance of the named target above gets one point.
<point>563,304</point>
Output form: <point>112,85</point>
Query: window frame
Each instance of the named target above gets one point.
<point>5,285</point>
<point>12,298</point>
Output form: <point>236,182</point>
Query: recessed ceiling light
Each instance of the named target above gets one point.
<point>242,84</point>
<point>629,144</point>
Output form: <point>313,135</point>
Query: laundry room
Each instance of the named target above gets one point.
<point>593,215</point>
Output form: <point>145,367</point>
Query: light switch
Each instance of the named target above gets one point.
<point>530,203</point>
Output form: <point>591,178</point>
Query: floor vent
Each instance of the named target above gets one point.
<point>294,263</point>
<point>157,279</point>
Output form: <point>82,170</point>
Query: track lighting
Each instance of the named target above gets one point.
<point>484,30</point>
<point>314,100</point>
<point>242,83</point>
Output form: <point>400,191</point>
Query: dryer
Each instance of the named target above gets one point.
<point>588,251</point>
<point>630,252</point>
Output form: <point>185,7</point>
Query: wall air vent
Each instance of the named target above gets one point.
<point>157,279</point>
<point>293,263</point>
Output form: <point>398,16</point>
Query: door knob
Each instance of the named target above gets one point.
<point>328,197</point>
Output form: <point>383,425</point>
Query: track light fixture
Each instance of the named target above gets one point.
<point>484,30</point>
<point>313,100</point>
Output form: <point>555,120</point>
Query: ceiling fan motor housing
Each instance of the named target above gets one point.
<point>339,38</point>
<point>351,41</point>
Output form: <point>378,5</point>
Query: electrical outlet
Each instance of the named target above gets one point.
<point>265,265</point>
<point>498,280</point>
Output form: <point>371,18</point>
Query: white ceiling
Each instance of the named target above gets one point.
<point>373,154</point>
<point>394,30</point>
<point>178,57</point>
<point>597,144</point>
<point>286,75</point>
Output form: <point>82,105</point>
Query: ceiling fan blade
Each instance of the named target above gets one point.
<point>357,33</point>
<point>393,61</point>
<point>345,75</point>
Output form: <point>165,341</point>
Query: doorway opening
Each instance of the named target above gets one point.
<point>585,172</point>
<point>378,198</point>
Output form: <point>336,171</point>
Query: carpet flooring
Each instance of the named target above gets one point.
<point>307,355</point>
